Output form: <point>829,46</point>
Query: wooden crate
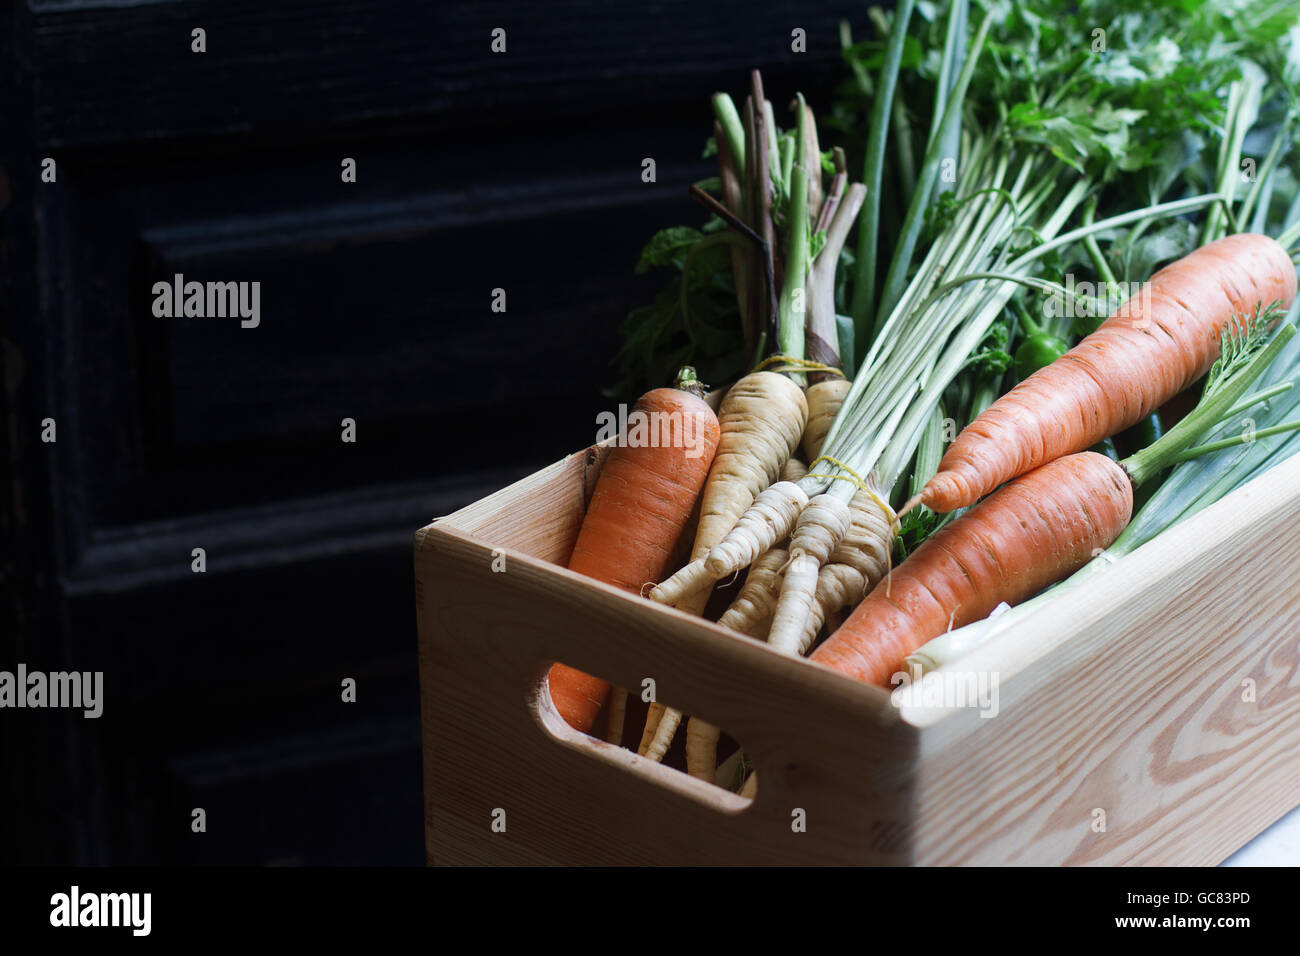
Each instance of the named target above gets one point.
<point>1130,697</point>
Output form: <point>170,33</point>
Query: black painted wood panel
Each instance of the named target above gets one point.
<point>474,172</point>
<point>287,66</point>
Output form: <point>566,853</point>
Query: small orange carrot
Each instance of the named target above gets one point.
<point>1158,343</point>
<point>641,503</point>
<point>1029,534</point>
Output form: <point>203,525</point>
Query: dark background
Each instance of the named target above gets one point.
<point>474,171</point>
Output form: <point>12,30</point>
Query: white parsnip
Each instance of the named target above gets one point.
<point>652,718</point>
<point>702,749</point>
<point>858,562</point>
<point>749,614</point>
<point>692,579</point>
<point>838,586</point>
<point>767,521</point>
<point>824,401</point>
<point>818,531</point>
<point>770,519</point>
<point>866,545</point>
<point>761,422</point>
<point>794,469</point>
<point>751,611</point>
<point>657,738</point>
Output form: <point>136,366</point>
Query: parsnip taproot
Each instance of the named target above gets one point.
<point>749,614</point>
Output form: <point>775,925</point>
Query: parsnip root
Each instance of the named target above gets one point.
<point>856,565</point>
<point>793,470</point>
<point>770,519</point>
<point>750,613</point>
<point>824,401</point>
<point>702,749</point>
<point>819,530</point>
<point>616,715</point>
<point>761,421</point>
<point>658,743</point>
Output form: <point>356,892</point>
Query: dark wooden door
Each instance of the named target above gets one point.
<point>474,171</point>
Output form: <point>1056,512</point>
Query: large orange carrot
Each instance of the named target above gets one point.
<point>1031,533</point>
<point>640,505</point>
<point>1158,343</point>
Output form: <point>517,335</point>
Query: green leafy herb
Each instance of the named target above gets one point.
<point>667,247</point>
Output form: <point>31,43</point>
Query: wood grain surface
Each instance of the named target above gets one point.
<point>1127,696</point>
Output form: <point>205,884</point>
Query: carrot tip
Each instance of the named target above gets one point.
<point>912,503</point>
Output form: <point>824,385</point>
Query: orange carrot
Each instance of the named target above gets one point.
<point>1158,343</point>
<point>1031,533</point>
<point>642,502</point>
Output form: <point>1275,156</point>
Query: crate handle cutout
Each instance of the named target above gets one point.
<point>543,710</point>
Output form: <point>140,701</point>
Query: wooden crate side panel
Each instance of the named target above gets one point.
<point>485,641</point>
<point>539,515</point>
<point>1129,697</point>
